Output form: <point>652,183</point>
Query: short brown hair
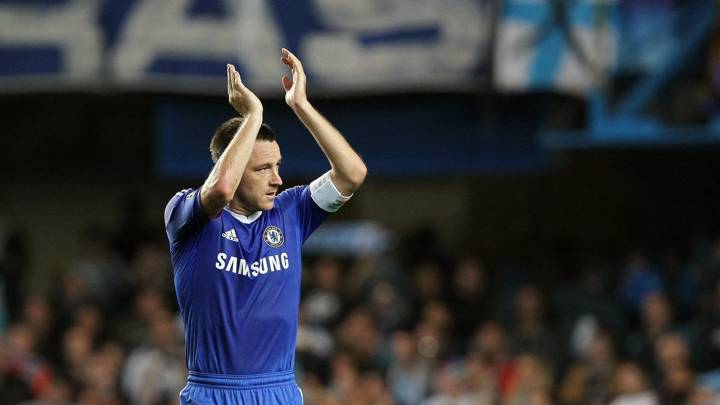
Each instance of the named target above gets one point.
<point>225,133</point>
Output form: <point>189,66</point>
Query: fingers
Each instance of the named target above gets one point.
<point>234,81</point>
<point>236,89</point>
<point>285,58</point>
<point>292,61</point>
<point>229,81</point>
<point>237,81</point>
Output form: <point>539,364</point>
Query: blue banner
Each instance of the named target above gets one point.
<point>183,45</point>
<point>555,44</point>
<point>347,46</point>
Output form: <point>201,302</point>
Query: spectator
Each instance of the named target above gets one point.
<point>77,351</point>
<point>38,317</point>
<point>706,329</point>
<point>155,372</point>
<point>102,372</point>
<point>482,383</point>
<point>134,327</point>
<point>14,260</point>
<point>529,332</point>
<point>588,380</point>
<point>531,383</point>
<point>151,267</point>
<point>470,301</point>
<point>450,387</point>
<point>388,306</point>
<point>673,364</point>
<point>409,374</point>
<point>23,365</point>
<point>314,346</point>
<point>99,267</point>
<point>322,304</point>
<point>428,283</point>
<point>489,347</point>
<point>344,381</point>
<point>639,279</point>
<point>656,319</point>
<point>359,337</point>
<point>630,387</point>
<point>374,389</point>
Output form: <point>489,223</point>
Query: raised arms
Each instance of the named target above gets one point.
<point>348,170</point>
<point>219,187</point>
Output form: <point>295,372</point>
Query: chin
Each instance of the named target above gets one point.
<point>267,206</point>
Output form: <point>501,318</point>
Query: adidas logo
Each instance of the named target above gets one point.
<point>230,235</point>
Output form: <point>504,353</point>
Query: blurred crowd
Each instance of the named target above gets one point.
<point>416,325</point>
<point>433,329</point>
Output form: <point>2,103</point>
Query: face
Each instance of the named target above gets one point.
<point>261,179</point>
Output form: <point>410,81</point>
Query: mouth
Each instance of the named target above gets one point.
<point>271,194</point>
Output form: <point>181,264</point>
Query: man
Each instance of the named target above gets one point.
<point>235,247</point>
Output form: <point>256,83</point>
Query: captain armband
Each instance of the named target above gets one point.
<point>326,195</point>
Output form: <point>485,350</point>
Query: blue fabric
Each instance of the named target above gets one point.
<point>265,389</point>
<point>238,284</point>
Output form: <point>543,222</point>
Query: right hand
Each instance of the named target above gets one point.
<point>240,97</point>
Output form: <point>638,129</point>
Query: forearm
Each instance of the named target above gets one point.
<point>348,169</point>
<point>219,187</point>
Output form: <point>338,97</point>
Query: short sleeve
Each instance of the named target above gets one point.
<point>308,216</point>
<point>184,215</point>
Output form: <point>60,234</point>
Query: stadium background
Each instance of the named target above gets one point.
<point>540,223</point>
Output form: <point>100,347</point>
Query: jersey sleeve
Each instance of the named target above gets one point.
<point>184,214</point>
<point>313,203</point>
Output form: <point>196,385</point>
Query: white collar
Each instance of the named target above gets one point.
<point>244,219</point>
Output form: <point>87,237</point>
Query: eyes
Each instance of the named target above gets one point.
<point>266,168</point>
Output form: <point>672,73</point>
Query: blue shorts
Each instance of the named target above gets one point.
<point>255,389</point>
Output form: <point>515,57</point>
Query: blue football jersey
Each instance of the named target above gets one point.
<point>237,281</point>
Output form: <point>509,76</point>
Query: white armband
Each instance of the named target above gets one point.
<point>326,195</point>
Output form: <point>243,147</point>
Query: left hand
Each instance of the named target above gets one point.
<point>243,100</point>
<point>295,94</point>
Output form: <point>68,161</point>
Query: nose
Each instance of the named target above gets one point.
<point>275,180</point>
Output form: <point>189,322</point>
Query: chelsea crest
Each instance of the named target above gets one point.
<point>273,236</point>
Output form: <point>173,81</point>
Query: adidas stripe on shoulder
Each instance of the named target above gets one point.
<point>230,235</point>
<point>181,192</point>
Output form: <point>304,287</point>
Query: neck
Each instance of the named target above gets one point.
<point>239,208</point>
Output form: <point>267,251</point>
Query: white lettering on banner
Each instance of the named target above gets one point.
<point>526,60</point>
<point>276,263</point>
<point>338,56</point>
<point>353,45</point>
<point>247,34</point>
<point>71,27</point>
